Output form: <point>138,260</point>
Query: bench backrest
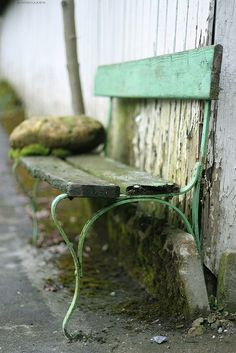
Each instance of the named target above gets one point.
<point>192,74</point>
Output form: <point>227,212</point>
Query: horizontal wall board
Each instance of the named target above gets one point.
<point>192,74</point>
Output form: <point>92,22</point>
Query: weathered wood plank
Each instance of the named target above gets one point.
<point>64,177</point>
<point>130,180</point>
<point>192,74</point>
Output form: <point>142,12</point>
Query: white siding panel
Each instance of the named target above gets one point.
<point>161,27</point>
<point>181,25</point>
<point>33,59</point>
<point>108,31</point>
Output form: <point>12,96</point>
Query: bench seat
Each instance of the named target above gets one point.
<point>72,181</point>
<point>130,180</point>
<point>93,175</point>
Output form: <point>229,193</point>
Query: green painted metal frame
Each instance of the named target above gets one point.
<point>194,184</point>
<point>78,258</point>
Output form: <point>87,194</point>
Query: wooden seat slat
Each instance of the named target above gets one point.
<point>64,177</point>
<point>130,180</point>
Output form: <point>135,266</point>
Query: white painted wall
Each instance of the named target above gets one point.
<point>32,52</point>
<point>32,57</point>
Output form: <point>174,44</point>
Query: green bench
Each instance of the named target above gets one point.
<point>189,75</point>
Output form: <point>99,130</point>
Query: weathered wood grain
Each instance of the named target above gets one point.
<point>64,177</point>
<point>130,180</point>
<point>190,74</point>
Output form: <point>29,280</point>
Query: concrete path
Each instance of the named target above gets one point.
<point>30,317</point>
<point>26,323</point>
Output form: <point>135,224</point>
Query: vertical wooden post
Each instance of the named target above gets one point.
<point>72,56</point>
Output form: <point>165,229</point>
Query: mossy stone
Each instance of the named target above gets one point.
<point>73,133</point>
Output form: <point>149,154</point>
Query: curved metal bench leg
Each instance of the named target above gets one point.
<point>195,206</point>
<point>77,258</point>
<point>75,299</point>
<point>99,213</point>
<point>34,205</point>
<point>32,197</point>
<point>195,211</point>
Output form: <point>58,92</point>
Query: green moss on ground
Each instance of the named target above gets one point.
<point>138,240</point>
<point>107,285</point>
